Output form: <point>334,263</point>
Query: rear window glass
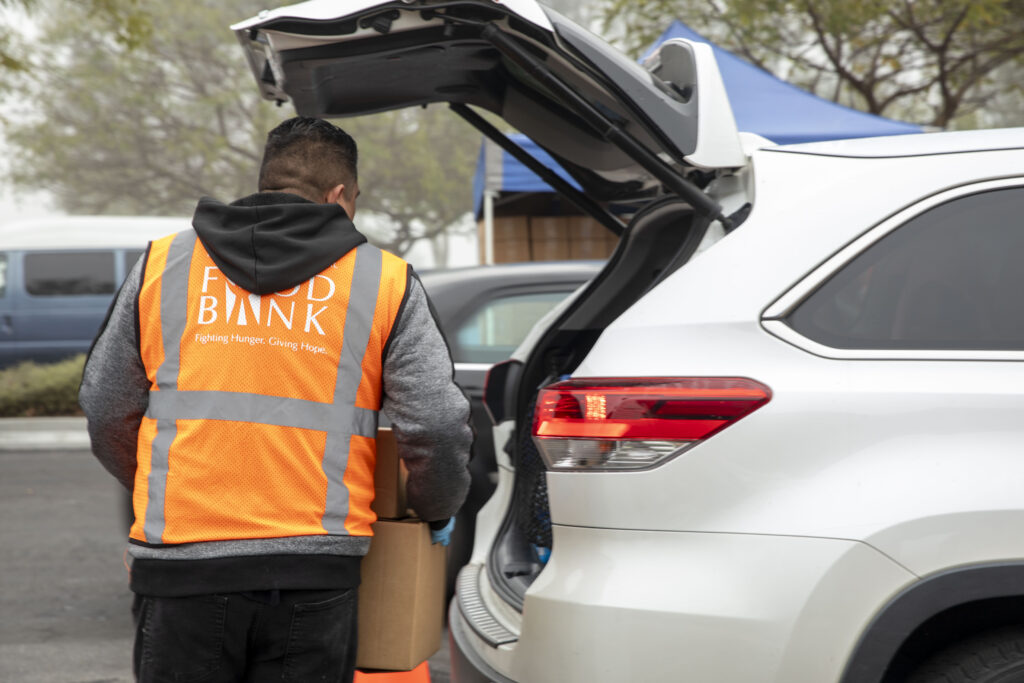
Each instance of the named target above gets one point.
<point>494,331</point>
<point>950,278</point>
<point>69,273</point>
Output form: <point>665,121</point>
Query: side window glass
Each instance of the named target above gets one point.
<point>494,331</point>
<point>130,256</point>
<point>3,275</point>
<point>69,273</point>
<point>950,278</point>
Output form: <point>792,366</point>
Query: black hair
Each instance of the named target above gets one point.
<point>309,156</point>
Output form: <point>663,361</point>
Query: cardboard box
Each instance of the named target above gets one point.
<point>401,597</point>
<point>511,239</point>
<point>389,479</point>
<point>511,251</point>
<point>549,238</point>
<point>510,229</point>
<point>588,239</point>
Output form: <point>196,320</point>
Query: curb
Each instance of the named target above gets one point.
<point>43,434</point>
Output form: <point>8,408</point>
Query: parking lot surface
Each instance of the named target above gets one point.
<point>63,584</point>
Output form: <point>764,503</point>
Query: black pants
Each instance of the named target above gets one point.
<point>294,635</point>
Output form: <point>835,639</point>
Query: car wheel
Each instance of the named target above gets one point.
<point>993,657</point>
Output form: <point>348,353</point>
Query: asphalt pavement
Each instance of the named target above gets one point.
<point>64,597</point>
<point>63,583</point>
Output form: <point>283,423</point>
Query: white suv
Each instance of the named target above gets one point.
<point>777,437</point>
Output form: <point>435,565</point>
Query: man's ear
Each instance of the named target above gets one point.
<point>334,194</point>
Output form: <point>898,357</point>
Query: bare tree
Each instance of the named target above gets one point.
<point>417,172</point>
<point>149,128</point>
<point>928,61</point>
<point>123,18</point>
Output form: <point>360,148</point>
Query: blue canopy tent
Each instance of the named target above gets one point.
<point>761,103</point>
<point>499,171</point>
<point>780,111</point>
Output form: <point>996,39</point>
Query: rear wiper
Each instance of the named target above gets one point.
<point>606,128</point>
<point>581,200</point>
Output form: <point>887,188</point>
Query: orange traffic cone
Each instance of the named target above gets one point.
<point>421,674</point>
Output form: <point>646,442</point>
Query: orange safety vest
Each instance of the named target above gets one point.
<point>262,411</point>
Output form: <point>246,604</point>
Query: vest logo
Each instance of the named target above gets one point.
<point>244,308</point>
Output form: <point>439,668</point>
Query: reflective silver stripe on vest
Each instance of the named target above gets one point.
<point>270,410</point>
<point>358,325</point>
<point>173,311</point>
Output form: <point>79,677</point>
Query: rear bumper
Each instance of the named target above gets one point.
<point>616,605</point>
<point>467,665</point>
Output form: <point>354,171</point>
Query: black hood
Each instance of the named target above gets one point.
<point>272,241</point>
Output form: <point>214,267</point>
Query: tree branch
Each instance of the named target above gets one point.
<point>835,57</point>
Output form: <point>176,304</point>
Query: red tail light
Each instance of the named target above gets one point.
<point>606,423</point>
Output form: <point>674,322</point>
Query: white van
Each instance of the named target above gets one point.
<point>58,276</point>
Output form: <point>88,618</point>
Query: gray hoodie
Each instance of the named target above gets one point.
<point>266,243</point>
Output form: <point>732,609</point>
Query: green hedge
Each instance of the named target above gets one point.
<point>31,390</point>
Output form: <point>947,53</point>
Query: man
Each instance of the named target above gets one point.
<point>234,390</point>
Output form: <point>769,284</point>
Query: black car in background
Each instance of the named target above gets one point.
<point>485,312</point>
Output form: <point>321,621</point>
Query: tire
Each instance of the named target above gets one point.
<point>993,657</point>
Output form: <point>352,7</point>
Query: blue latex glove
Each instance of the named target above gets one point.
<point>444,535</point>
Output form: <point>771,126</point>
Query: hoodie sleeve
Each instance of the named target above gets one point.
<point>115,391</point>
<point>428,411</point>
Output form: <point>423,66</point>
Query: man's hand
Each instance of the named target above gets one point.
<point>444,534</point>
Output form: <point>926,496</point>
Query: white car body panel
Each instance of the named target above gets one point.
<point>718,145</point>
<point>786,533</point>
<point>651,606</point>
<point>326,10</point>
<point>788,195</point>
<point>280,40</point>
<point>488,519</point>
<point>700,130</point>
<point>766,552</point>
<point>866,427</point>
<point>860,443</point>
<point>787,302</point>
<point>950,142</point>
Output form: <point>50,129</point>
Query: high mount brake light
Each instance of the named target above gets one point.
<point>622,424</point>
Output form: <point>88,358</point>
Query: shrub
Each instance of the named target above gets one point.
<point>31,390</point>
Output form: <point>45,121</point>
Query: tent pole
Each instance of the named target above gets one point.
<point>489,227</point>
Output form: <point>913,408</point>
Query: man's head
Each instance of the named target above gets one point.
<point>313,159</point>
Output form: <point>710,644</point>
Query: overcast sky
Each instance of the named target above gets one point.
<point>16,208</point>
<point>21,205</point>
